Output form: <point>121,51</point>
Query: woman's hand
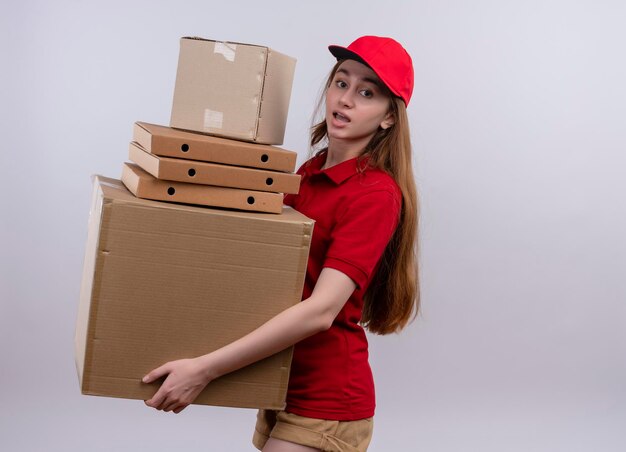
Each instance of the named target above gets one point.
<point>186,378</point>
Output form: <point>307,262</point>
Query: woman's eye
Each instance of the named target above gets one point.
<point>341,84</point>
<point>366,93</point>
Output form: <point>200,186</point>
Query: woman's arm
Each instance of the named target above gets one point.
<point>186,378</point>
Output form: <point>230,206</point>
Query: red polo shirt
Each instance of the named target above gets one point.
<point>355,213</point>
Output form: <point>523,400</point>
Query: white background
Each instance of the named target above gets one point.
<point>518,123</point>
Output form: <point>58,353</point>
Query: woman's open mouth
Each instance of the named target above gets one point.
<point>340,117</point>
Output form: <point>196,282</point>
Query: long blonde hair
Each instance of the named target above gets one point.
<point>392,299</point>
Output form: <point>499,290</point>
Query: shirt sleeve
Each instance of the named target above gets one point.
<point>361,234</point>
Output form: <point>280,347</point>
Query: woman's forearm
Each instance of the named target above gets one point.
<point>300,321</point>
<point>282,331</point>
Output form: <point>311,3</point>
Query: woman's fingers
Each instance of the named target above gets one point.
<point>157,399</point>
<point>157,373</point>
<point>171,405</point>
<point>184,381</point>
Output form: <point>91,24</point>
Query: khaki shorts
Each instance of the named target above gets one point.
<point>331,436</point>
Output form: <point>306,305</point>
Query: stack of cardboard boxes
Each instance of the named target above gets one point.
<point>169,280</point>
<point>238,92</point>
<point>197,169</point>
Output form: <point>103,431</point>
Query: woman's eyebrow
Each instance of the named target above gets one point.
<point>375,81</point>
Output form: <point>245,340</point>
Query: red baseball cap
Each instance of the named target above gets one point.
<point>386,57</point>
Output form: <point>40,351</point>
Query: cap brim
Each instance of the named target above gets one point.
<point>341,53</point>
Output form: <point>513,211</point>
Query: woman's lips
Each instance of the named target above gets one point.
<point>341,118</point>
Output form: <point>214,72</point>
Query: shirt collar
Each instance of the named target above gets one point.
<point>338,173</point>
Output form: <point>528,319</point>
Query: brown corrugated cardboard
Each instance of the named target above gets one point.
<point>235,90</point>
<point>144,185</point>
<point>195,172</point>
<point>169,142</point>
<point>165,281</point>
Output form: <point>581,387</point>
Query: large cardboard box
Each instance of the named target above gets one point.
<point>166,281</point>
<point>169,142</point>
<point>230,89</point>
<point>205,173</point>
<point>144,185</point>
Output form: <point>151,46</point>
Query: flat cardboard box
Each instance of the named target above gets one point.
<point>144,185</point>
<point>169,142</point>
<point>165,281</point>
<point>234,90</point>
<point>195,172</point>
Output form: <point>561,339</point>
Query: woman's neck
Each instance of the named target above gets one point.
<point>338,153</point>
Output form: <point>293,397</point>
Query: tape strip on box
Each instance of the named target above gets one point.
<point>227,49</point>
<point>213,119</point>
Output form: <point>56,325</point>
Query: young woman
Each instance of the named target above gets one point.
<point>362,267</point>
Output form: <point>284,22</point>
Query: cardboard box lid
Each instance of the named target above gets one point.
<point>205,173</point>
<point>144,185</point>
<point>163,281</point>
<point>170,142</point>
<point>231,89</point>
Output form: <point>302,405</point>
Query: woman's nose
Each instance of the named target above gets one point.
<point>346,98</point>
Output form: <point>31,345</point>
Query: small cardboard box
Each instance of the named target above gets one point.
<point>165,281</point>
<point>195,172</point>
<point>235,90</point>
<point>144,185</point>
<point>169,142</point>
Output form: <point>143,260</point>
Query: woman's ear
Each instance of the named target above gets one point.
<point>389,121</point>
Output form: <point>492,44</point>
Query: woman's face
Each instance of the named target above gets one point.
<point>356,104</point>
